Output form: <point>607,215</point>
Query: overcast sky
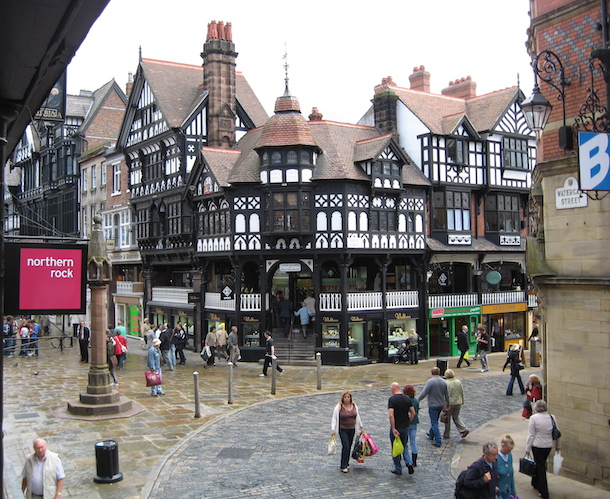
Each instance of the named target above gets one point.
<point>337,50</point>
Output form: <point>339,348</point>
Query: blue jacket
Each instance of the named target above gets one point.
<point>154,359</point>
<point>506,477</point>
<point>474,479</point>
<point>303,315</point>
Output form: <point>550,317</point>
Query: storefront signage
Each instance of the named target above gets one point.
<point>355,318</point>
<point>194,297</point>
<point>503,307</point>
<point>226,293</point>
<point>436,313</point>
<point>330,319</point>
<point>290,267</point>
<point>159,311</point>
<point>249,318</point>
<point>182,313</point>
<point>214,317</point>
<point>493,277</point>
<point>594,161</point>
<point>570,196</point>
<point>124,256</point>
<point>400,316</point>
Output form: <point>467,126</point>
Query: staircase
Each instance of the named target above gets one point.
<point>296,350</point>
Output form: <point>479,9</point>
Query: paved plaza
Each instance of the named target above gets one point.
<point>262,445</point>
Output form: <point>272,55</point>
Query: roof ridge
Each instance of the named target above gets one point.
<point>171,63</point>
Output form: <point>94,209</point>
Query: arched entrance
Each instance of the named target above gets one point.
<point>293,280</point>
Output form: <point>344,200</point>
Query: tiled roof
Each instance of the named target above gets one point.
<point>285,129</point>
<point>369,149</point>
<point>221,162</point>
<point>99,97</point>
<point>247,166</point>
<point>78,105</point>
<point>178,88</point>
<point>441,113</point>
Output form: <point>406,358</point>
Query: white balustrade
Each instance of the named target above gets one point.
<point>532,301</point>
<point>449,301</point>
<point>402,299</point>
<point>329,302</point>
<point>503,297</point>
<point>364,301</point>
<point>124,287</point>
<point>171,294</point>
<point>250,302</point>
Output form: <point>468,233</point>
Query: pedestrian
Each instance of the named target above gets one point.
<point>540,443</point>
<point>463,344</point>
<point>482,475</point>
<point>409,391</point>
<point>400,414</point>
<point>514,359</point>
<point>84,338</point>
<point>120,348</point>
<point>180,342</point>
<point>436,387</point>
<point>413,347</point>
<point>269,354</point>
<point>43,474</point>
<point>533,392</point>
<point>286,315</point>
<point>144,329</point>
<point>154,364</point>
<point>210,341</point>
<point>111,358</point>
<point>303,315</point>
<point>484,345</point>
<point>506,472</point>
<point>34,334</point>
<point>402,354</point>
<point>233,346</point>
<point>275,309</point>
<point>456,401</point>
<point>150,335</point>
<point>120,328</point>
<point>166,347</point>
<point>347,422</point>
<point>221,343</point>
<point>310,303</point>
<point>24,333</point>
<point>9,335</point>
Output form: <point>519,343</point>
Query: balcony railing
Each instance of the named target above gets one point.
<point>370,300</point>
<point>129,288</point>
<point>532,301</point>
<point>503,297</point>
<point>249,302</point>
<point>171,295</point>
<point>449,301</point>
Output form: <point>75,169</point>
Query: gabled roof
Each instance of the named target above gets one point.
<point>441,114</point>
<point>78,105</point>
<point>221,162</point>
<point>178,89</point>
<point>99,97</point>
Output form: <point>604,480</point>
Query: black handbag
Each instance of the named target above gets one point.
<point>527,466</point>
<point>357,452</point>
<point>555,433</point>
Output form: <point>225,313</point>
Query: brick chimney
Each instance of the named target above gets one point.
<point>464,88</point>
<point>420,79</point>
<point>129,85</point>
<point>315,115</point>
<point>384,106</point>
<point>219,80</point>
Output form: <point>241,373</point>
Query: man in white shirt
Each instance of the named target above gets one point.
<point>43,474</point>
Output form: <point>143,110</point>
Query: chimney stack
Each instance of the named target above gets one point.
<point>420,79</point>
<point>219,80</point>
<point>384,106</point>
<point>129,85</point>
<point>315,115</point>
<point>464,88</point>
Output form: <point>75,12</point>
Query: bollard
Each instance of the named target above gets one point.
<point>197,408</point>
<point>273,375</point>
<point>107,462</point>
<point>230,401</point>
<point>319,368</point>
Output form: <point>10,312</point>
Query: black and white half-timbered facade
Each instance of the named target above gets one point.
<point>478,155</point>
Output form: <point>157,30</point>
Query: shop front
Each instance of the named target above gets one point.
<point>399,325</point>
<point>506,324</point>
<point>445,323</point>
<point>334,351</point>
<point>158,314</point>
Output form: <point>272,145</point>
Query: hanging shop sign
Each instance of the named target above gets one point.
<point>437,313</point>
<point>493,277</point>
<point>226,293</point>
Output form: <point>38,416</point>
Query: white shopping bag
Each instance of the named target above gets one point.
<point>557,461</point>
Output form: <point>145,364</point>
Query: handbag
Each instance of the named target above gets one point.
<point>206,353</point>
<point>521,366</point>
<point>113,361</point>
<point>555,433</point>
<point>397,447</point>
<point>332,445</point>
<point>357,452</point>
<point>444,417</point>
<point>527,466</point>
<point>153,379</point>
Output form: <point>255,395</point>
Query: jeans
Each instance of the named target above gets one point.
<point>413,354</point>
<point>347,437</point>
<point>167,357</point>
<point>509,388</point>
<point>121,360</point>
<point>172,352</point>
<point>404,437</point>
<point>287,321</point>
<point>412,439</point>
<point>156,389</point>
<point>435,433</point>
<point>9,347</point>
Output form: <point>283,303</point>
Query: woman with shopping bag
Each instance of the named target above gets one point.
<point>346,422</point>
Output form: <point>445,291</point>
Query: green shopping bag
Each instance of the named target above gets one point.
<point>397,447</point>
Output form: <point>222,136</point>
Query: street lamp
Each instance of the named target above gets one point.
<point>547,67</point>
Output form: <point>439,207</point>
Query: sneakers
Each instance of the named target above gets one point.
<point>464,433</point>
<point>114,384</point>
<point>344,470</point>
<point>262,375</point>
<point>282,372</point>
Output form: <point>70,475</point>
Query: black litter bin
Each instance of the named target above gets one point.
<point>442,365</point>
<point>107,462</point>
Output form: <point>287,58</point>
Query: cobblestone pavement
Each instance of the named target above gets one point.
<point>278,449</point>
<point>261,445</point>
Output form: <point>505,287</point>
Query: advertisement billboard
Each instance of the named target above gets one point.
<point>45,278</point>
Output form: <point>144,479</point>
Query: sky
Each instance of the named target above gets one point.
<point>337,50</point>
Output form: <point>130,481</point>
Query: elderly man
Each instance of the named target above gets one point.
<point>436,388</point>
<point>483,473</point>
<point>43,474</point>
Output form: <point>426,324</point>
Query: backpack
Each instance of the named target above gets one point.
<point>463,492</point>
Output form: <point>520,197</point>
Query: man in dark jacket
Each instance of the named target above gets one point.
<point>483,473</point>
<point>463,343</point>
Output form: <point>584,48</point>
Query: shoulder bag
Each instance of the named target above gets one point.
<point>527,466</point>
<point>555,433</point>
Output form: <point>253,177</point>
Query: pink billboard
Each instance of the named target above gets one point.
<point>49,278</point>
